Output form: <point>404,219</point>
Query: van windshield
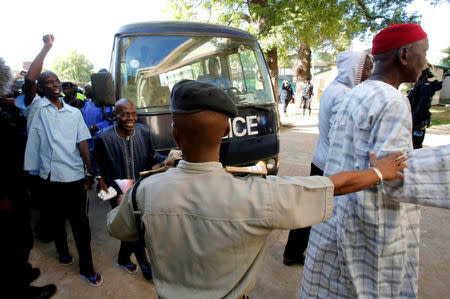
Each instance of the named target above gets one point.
<point>151,65</point>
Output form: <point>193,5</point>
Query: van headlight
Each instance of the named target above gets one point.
<point>271,163</point>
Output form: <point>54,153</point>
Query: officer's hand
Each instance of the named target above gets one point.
<point>48,40</point>
<point>173,155</point>
<point>389,166</point>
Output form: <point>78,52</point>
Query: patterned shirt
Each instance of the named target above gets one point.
<point>369,248</point>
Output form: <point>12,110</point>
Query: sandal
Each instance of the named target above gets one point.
<point>94,280</point>
<point>130,268</point>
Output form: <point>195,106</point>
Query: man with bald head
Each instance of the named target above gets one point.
<point>369,248</point>
<point>57,151</point>
<point>205,230</point>
<point>122,151</point>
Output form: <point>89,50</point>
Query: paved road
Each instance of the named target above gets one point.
<point>275,280</point>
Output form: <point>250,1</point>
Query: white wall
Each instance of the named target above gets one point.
<point>445,91</point>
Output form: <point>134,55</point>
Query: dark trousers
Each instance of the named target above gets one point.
<point>298,238</point>
<point>43,228</point>
<point>306,104</point>
<point>285,103</point>
<point>127,248</point>
<point>16,242</point>
<point>68,201</point>
<point>418,140</point>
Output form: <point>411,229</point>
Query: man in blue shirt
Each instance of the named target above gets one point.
<point>93,116</point>
<point>57,150</point>
<point>214,77</point>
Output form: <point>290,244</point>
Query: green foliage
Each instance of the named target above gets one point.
<point>446,60</point>
<point>440,115</point>
<point>331,25</point>
<point>321,24</point>
<point>298,26</point>
<point>75,67</point>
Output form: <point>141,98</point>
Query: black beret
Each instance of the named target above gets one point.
<point>189,96</point>
<point>67,84</point>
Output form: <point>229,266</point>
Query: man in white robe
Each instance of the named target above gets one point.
<point>369,248</point>
<point>354,68</point>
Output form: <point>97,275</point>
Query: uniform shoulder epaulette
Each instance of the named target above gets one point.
<point>258,169</point>
<point>147,173</point>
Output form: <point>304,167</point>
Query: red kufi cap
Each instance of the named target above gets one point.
<point>395,36</point>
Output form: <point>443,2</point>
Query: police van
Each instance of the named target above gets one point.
<point>149,58</point>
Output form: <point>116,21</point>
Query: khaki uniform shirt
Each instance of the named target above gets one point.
<point>206,231</point>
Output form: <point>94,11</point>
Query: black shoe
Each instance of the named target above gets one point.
<point>148,274</point>
<point>290,262</point>
<point>41,292</point>
<point>34,273</point>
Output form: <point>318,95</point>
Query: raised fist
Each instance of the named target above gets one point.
<point>48,40</point>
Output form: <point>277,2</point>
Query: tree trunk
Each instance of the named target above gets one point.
<point>272,63</point>
<point>302,65</point>
<point>261,28</point>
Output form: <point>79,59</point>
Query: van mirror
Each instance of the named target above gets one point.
<point>103,89</point>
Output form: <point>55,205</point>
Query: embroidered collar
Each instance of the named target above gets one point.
<point>124,137</point>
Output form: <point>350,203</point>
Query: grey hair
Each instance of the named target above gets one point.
<point>6,78</point>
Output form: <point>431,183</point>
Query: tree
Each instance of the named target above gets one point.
<point>331,25</point>
<point>446,60</point>
<point>301,25</point>
<point>75,67</point>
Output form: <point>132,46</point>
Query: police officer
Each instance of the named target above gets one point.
<point>206,230</point>
<point>72,96</point>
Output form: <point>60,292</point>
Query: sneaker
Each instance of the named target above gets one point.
<point>94,279</point>
<point>130,268</point>
<point>66,260</point>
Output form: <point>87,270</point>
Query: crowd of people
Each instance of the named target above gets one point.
<point>205,230</point>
